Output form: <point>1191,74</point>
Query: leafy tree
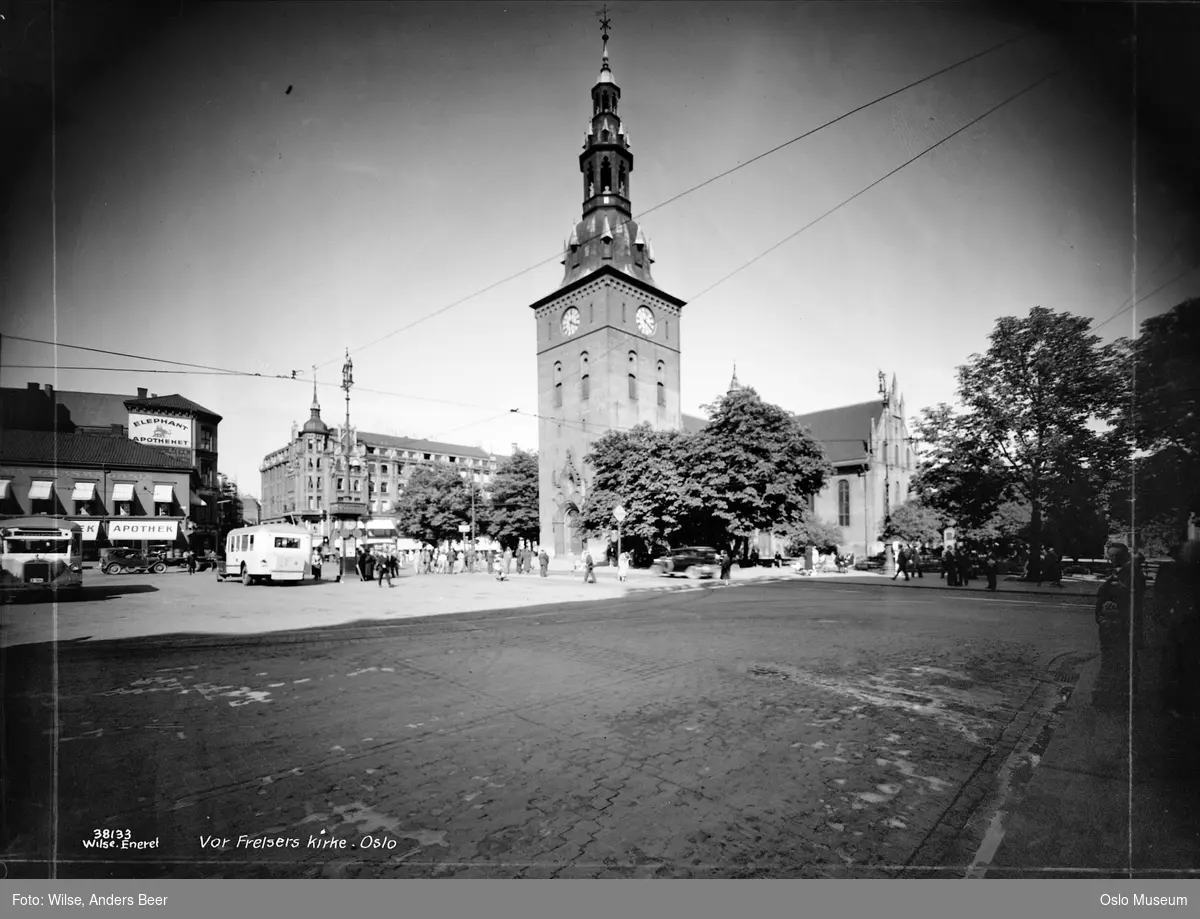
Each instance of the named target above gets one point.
<point>514,501</point>
<point>755,466</point>
<point>957,476</point>
<point>647,472</point>
<point>812,531</point>
<point>435,500</point>
<point>1007,528</point>
<point>1031,398</point>
<point>913,521</point>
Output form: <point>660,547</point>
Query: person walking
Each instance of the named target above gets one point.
<point>1118,612</point>
<point>316,564</point>
<point>1053,568</point>
<point>950,560</point>
<point>901,563</point>
<point>507,562</point>
<point>337,565</point>
<point>991,567</point>
<point>368,566</point>
<point>589,569</point>
<point>623,566</point>
<point>915,561</point>
<point>726,564</point>
<point>544,562</point>
<point>191,562</point>
<point>778,559</point>
<point>384,570</point>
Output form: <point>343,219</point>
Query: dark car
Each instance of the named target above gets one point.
<point>691,561</point>
<point>126,561</point>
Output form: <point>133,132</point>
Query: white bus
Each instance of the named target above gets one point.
<point>380,534</point>
<point>268,552</point>
<point>40,554</point>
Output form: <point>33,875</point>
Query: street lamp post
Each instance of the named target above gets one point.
<point>347,382</point>
<point>619,514</point>
<point>889,559</point>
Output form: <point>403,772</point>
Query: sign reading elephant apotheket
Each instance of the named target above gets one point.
<point>144,528</point>
<point>160,430</point>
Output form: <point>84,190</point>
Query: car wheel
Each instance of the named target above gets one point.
<point>112,568</point>
<point>246,579</point>
<point>692,573</point>
<point>159,568</point>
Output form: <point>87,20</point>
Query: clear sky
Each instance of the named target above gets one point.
<point>426,151</point>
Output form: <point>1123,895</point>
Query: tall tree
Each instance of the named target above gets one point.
<point>1034,398</point>
<point>435,501</point>
<point>755,467</point>
<point>514,500</point>
<point>913,521</point>
<point>646,472</point>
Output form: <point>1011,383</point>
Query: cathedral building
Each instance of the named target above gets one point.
<point>608,339</point>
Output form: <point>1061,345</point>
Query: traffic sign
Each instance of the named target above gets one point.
<point>464,528</point>
<point>619,513</point>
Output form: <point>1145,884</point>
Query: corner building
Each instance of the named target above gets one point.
<point>608,340</point>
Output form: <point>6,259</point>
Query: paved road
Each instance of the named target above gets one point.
<point>782,729</point>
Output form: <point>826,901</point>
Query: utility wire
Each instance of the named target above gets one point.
<point>140,357</point>
<point>688,191</point>
<point>1129,302</point>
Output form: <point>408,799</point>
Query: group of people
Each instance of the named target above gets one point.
<point>523,557</point>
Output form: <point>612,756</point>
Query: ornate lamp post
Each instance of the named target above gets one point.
<point>889,558</point>
<point>347,382</point>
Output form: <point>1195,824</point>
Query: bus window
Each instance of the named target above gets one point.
<point>287,542</point>
<point>251,540</point>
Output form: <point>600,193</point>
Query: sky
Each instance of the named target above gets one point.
<point>426,152</point>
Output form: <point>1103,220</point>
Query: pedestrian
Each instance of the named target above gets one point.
<point>991,567</point>
<point>368,566</point>
<point>491,556</point>
<point>589,569</point>
<point>754,557</point>
<point>726,564</point>
<point>915,561</point>
<point>544,561</point>
<point>316,564</point>
<point>507,562</point>
<point>337,565</point>
<point>902,564</point>
<point>622,566</point>
<point>384,571</point>
<point>1053,568</point>
<point>966,567</point>
<point>778,559</point>
<point>1118,613</point>
<point>393,564</point>
<point>950,559</point>
<point>191,562</point>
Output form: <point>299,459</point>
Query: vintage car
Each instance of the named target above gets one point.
<point>690,561</point>
<point>128,561</point>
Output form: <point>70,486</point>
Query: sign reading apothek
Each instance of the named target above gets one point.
<point>145,528</point>
<point>160,430</point>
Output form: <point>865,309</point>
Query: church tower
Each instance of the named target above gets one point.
<point>608,340</point>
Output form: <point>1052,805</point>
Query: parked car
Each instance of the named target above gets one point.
<point>691,561</point>
<point>127,561</point>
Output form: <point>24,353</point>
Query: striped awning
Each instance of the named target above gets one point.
<point>123,491</point>
<point>84,491</point>
<point>164,494</point>
<point>39,489</point>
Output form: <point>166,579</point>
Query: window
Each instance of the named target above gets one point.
<point>605,175</point>
<point>662,370</point>
<point>621,180</point>
<point>287,542</point>
<point>604,136</point>
<point>662,395</point>
<point>340,484</point>
<point>589,183</point>
<point>843,493</point>
<point>383,488</point>
<point>632,386</point>
<point>585,387</point>
<point>383,469</point>
<point>558,395</point>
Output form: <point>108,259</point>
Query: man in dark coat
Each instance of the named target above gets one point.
<point>991,567</point>
<point>915,561</point>
<point>726,564</point>
<point>1119,621</point>
<point>544,562</point>
<point>901,564</point>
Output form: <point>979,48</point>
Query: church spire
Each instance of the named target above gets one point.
<point>607,235</point>
<point>734,385</point>
<point>315,425</point>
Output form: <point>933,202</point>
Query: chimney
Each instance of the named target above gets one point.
<point>32,387</point>
<point>153,395</point>
<point>141,392</point>
<point>118,430</point>
<point>50,390</point>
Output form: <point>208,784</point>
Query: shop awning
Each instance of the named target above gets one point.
<point>123,491</point>
<point>197,501</point>
<point>39,489</point>
<point>4,488</point>
<point>164,494</point>
<point>84,491</point>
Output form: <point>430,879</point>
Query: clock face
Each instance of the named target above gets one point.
<point>570,321</point>
<point>645,320</point>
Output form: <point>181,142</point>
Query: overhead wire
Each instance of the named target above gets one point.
<point>809,133</point>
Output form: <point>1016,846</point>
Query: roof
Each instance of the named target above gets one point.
<point>49,449</point>
<point>693,423</point>
<point>95,409</point>
<point>842,430</point>
<point>423,446</point>
<point>173,402</point>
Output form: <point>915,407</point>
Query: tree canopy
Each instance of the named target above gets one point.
<point>913,521</point>
<point>435,500</point>
<point>513,512</point>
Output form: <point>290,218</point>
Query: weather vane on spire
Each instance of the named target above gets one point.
<point>605,24</point>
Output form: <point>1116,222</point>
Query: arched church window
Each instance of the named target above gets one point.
<point>662,395</point>
<point>589,184</point>
<point>614,102</point>
<point>632,386</point>
<point>662,370</point>
<point>557,371</point>
<point>585,387</point>
<point>632,361</point>
<point>621,180</point>
<point>843,499</point>
<point>583,362</point>
<point>558,395</point>
<point>605,175</point>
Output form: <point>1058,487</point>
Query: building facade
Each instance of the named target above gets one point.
<point>172,426</point>
<point>327,477</point>
<point>608,340</point>
<point>122,493</point>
